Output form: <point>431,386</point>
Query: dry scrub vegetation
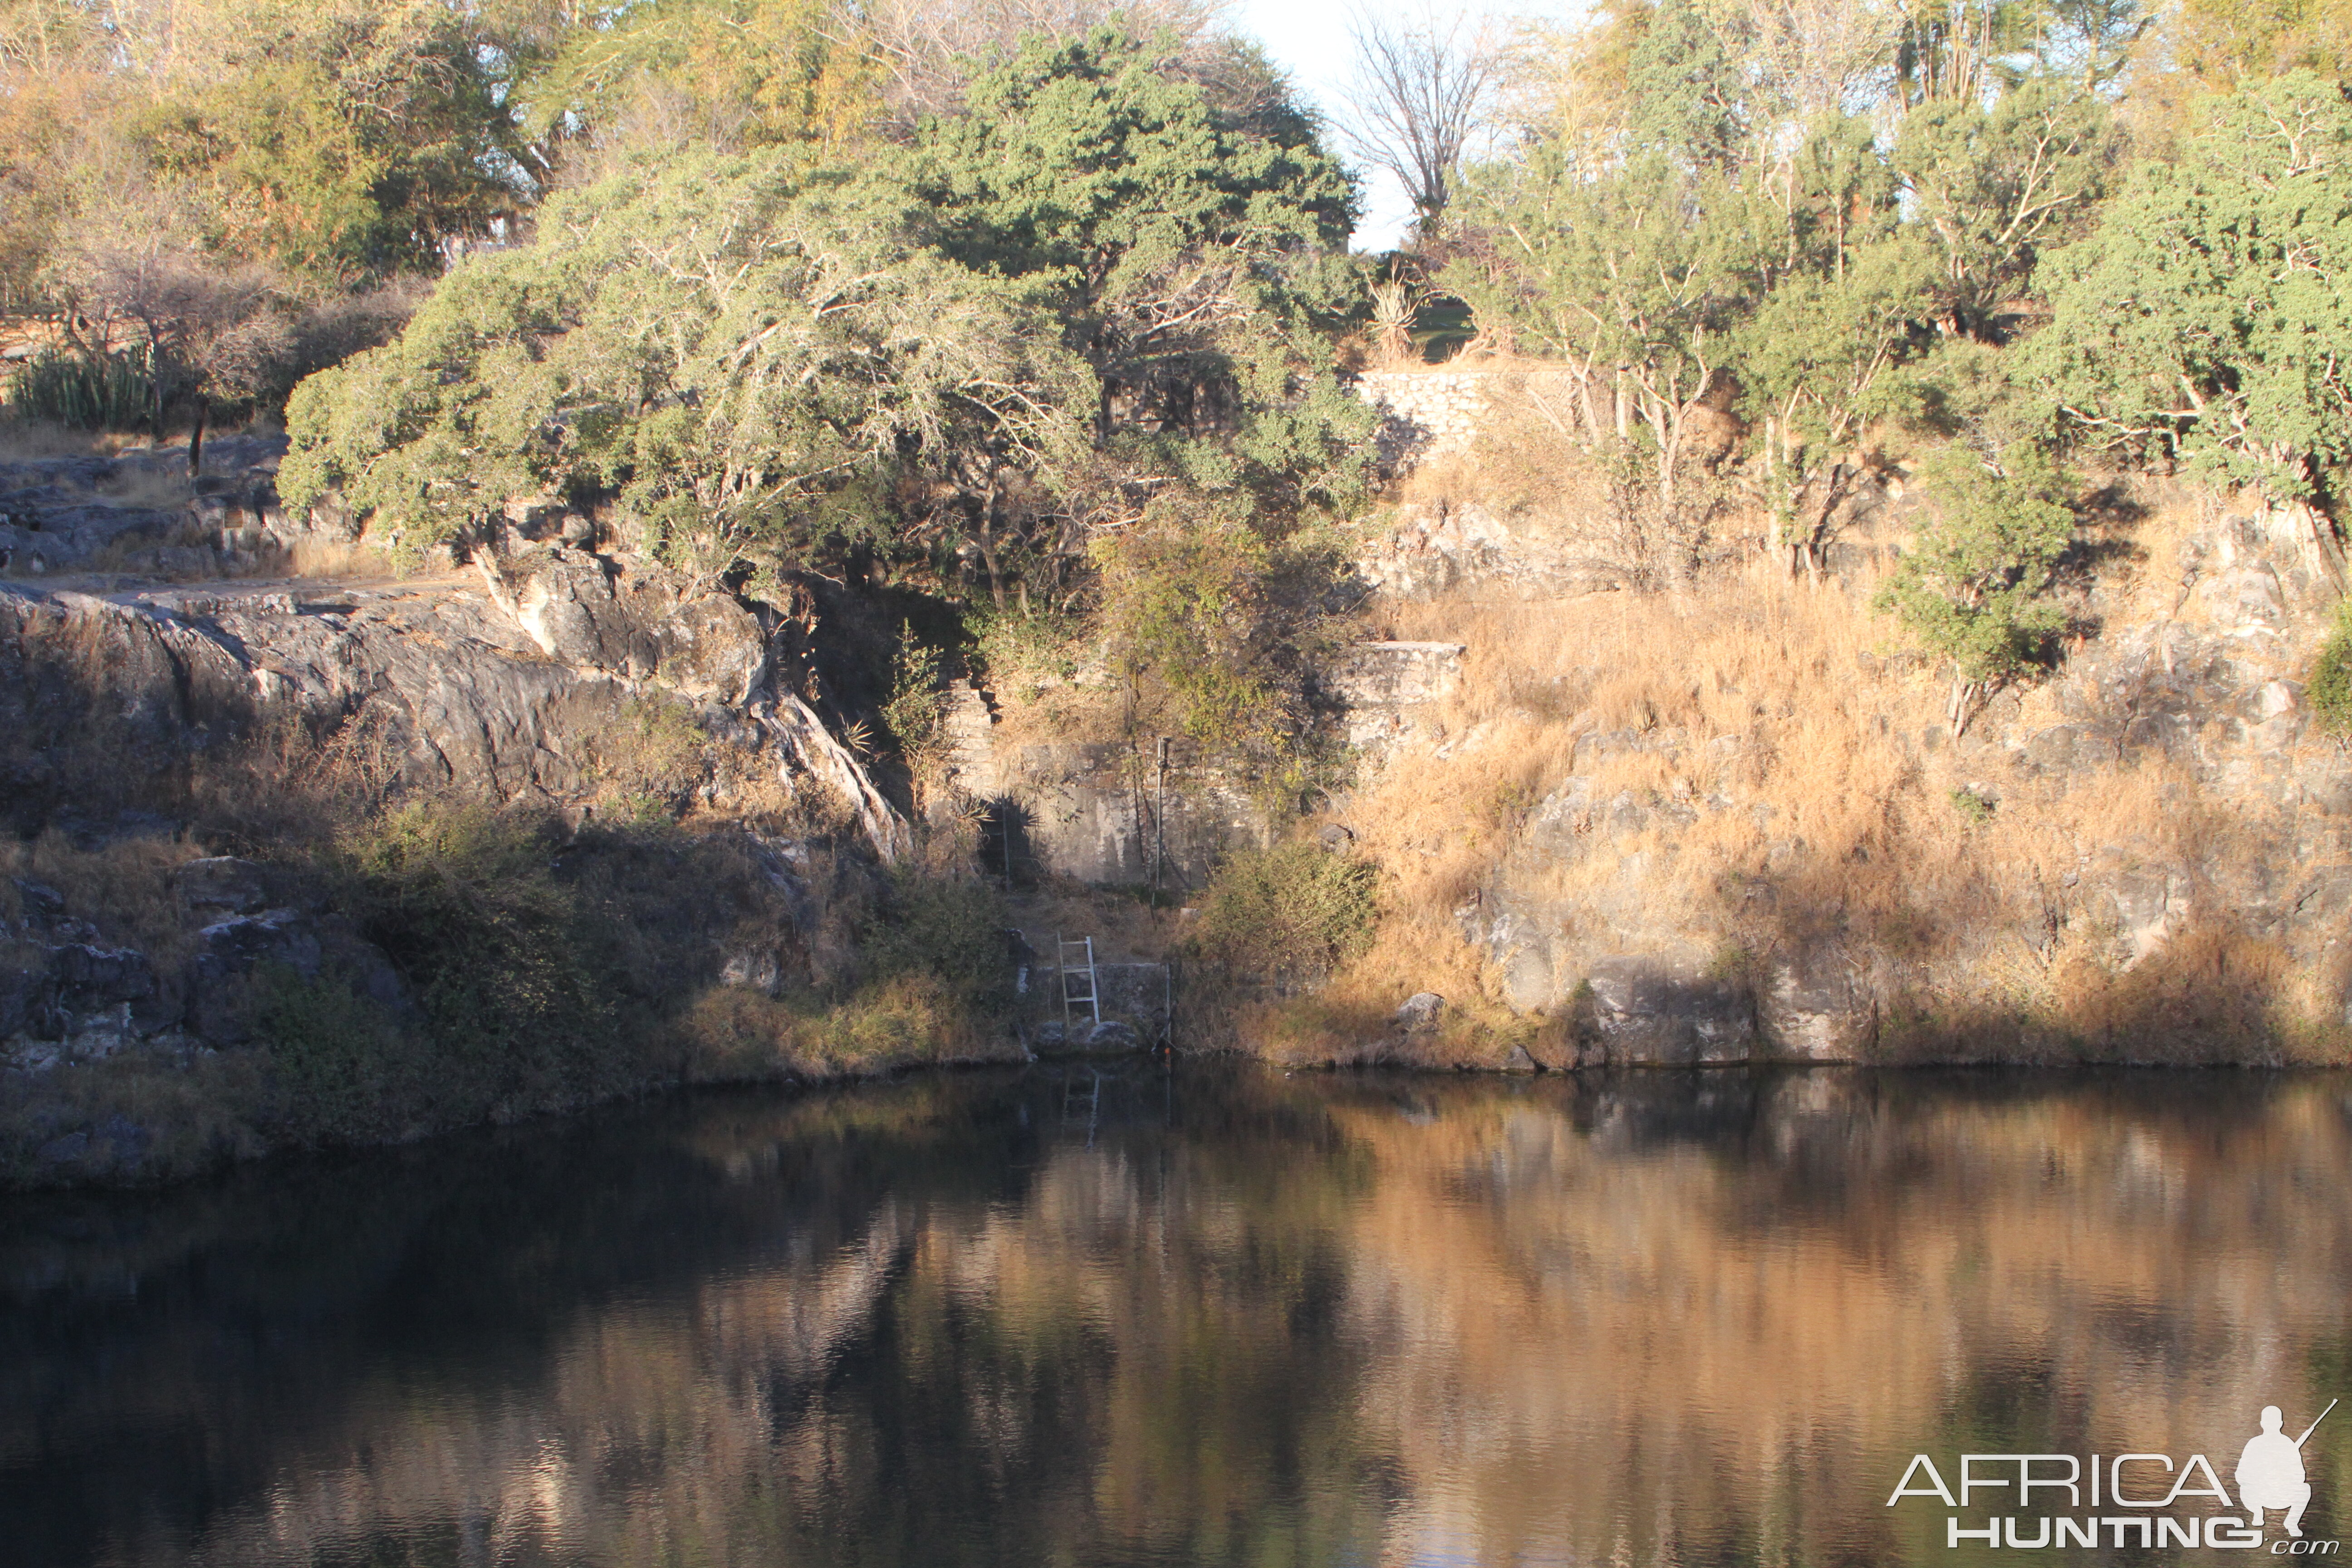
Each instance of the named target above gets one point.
<point>1791,798</point>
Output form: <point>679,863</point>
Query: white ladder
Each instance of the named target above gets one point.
<point>1073,999</point>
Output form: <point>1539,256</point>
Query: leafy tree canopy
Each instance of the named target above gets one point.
<point>1990,186</point>
<point>339,138</point>
<point>730,74</point>
<point>1089,289</point>
<point>1194,254</point>
<point>740,352</point>
<point>2212,305</point>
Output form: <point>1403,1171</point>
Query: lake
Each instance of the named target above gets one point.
<point>1213,1314</point>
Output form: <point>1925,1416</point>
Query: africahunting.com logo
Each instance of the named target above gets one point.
<point>2061,1499</point>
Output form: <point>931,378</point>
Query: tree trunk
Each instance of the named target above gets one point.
<point>196,442</point>
<point>1961,711</point>
<point>988,544</point>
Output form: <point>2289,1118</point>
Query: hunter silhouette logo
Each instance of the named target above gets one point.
<point>2270,1472</point>
<point>2150,1492</point>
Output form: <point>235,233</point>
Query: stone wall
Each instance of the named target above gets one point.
<point>1093,812</point>
<point>1439,408</point>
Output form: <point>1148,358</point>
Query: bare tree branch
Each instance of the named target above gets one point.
<point>1422,88</point>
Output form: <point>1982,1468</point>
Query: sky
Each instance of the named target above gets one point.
<point>1310,40</point>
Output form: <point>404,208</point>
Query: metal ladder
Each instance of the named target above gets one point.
<point>1072,999</point>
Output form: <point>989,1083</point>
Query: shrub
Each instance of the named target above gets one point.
<point>345,1072</point>
<point>648,758</point>
<point>2330,691</point>
<point>1971,589</point>
<point>465,903</point>
<point>1285,915</point>
<point>950,928</point>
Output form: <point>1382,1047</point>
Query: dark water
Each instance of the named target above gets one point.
<point>1219,1317</point>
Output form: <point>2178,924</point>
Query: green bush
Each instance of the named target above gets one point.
<point>1286,914</point>
<point>952,928</point>
<point>345,1071</point>
<point>1971,588</point>
<point>2330,691</point>
<point>1974,807</point>
<point>84,391</point>
<point>466,902</point>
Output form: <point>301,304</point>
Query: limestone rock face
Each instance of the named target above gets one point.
<point>59,514</point>
<point>1814,1008</point>
<point>1380,689</point>
<point>1587,918</point>
<point>1094,812</point>
<point>597,612</point>
<point>502,690</point>
<point>1646,1012</point>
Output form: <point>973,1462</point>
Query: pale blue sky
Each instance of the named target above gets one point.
<point>1309,38</point>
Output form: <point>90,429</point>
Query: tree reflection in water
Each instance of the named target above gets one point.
<point>1219,1316</point>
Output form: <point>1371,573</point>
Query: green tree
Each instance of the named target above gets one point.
<point>1635,278</point>
<point>2091,41</point>
<point>742,355</point>
<point>1971,589</point>
<point>1842,291</point>
<point>1195,257</point>
<point>727,74</point>
<point>2211,307</point>
<point>2224,43</point>
<point>1685,91</point>
<point>1204,620</point>
<point>1095,285</point>
<point>1814,364</point>
<point>56,94</point>
<point>335,139</point>
<point>1990,187</point>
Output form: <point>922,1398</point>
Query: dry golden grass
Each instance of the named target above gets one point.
<point>1774,737</point>
<point>317,559</point>
<point>307,560</point>
<point>126,885</point>
<point>146,489</point>
<point>29,440</point>
<point>731,1033</point>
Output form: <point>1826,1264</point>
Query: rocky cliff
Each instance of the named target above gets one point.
<point>180,762</point>
<point>1732,824</point>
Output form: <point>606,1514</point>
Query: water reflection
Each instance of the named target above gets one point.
<point>1221,1317</point>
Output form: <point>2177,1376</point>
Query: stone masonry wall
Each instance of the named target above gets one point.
<point>1437,409</point>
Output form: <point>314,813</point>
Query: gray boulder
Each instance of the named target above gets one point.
<point>1110,1035</point>
<point>1645,1012</point>
<point>229,953</point>
<point>1420,1013</point>
<point>84,979</point>
<point>223,882</point>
